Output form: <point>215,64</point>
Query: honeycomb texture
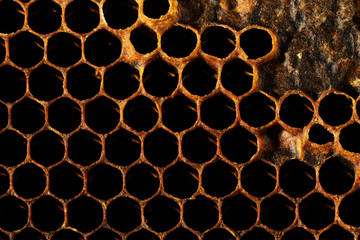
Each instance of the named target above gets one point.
<point>126,120</point>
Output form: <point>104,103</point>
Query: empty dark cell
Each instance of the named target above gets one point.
<point>4,182</point>
<point>67,234</point>
<point>29,181</point>
<point>296,111</point>
<point>142,181</point>
<point>181,180</point>
<point>336,232</point>
<point>63,49</point>
<point>219,179</point>
<point>27,116</point>
<point>64,115</point>
<point>120,14</point>
<point>237,77</point>
<point>349,209</point>
<point>4,116</point>
<point>218,41</point>
<point>316,211</point>
<point>84,147</point>
<point>256,43</point>
<point>83,82</point>
<point>200,213</point>
<point>12,148</point>
<point>198,146</point>
<point>26,49</point>
<point>335,109</point>
<point>121,81</point>
<point>44,16</point>
<point>257,110</point>
<point>141,114</point>
<point>143,234</point>
<point>102,48</point>
<point>4,236</point>
<point>319,135</point>
<point>160,78</point>
<point>155,8</point>
<point>238,145</point>
<point>258,178</point>
<point>143,39</point>
<point>102,115</point>
<point>199,78</point>
<point>258,233</point>
<point>12,83</point>
<point>219,233</point>
<point>181,234</point>
<point>178,42</point>
<point>160,148</point>
<point>104,234</point>
<point>47,148</point>
<point>11,16</point>
<point>66,181</point>
<point>277,212</point>
<point>47,214</point>
<point>218,112</point>
<point>104,181</point>
<point>2,50</point>
<point>29,234</point>
<point>297,234</point>
<point>124,214</point>
<point>85,214</point>
<point>82,16</point>
<point>349,138</point>
<point>297,178</point>
<point>179,113</point>
<point>122,147</point>
<point>161,213</point>
<point>46,83</point>
<point>239,212</point>
<point>13,213</point>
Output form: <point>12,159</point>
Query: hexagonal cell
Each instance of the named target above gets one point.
<point>102,115</point>
<point>83,82</point>
<point>349,209</point>
<point>12,148</point>
<point>47,214</point>
<point>130,216</point>
<point>161,213</point>
<point>181,180</point>
<point>198,146</point>
<point>104,233</point>
<point>179,113</point>
<point>63,49</point>
<point>12,82</point>
<point>2,50</point>
<point>258,178</point>
<point>67,234</point>
<point>84,147</point>
<point>4,181</point>
<point>178,41</point>
<point>199,78</point>
<point>104,181</point>
<point>218,41</point>
<point>47,148</point>
<point>29,233</point>
<point>218,112</point>
<point>317,211</point>
<point>160,147</point>
<point>64,115</point>
<point>155,8</point>
<point>239,212</point>
<point>181,233</point>
<point>297,178</point>
<point>349,136</point>
<point>102,48</point>
<point>337,175</point>
<point>335,109</point>
<point>44,16</point>
<point>200,213</point>
<point>122,147</point>
<point>82,16</point>
<point>143,39</point>
<point>297,234</point>
<point>142,181</point>
<point>141,113</point>
<point>258,233</point>
<point>46,83</point>
<point>13,213</point>
<point>160,79</point>
<point>120,14</point>
<point>219,233</point>
<point>336,232</point>
<point>12,16</point>
<point>4,116</point>
<point>66,181</point>
<point>256,43</point>
<point>296,111</point>
<point>84,214</point>
<point>319,135</point>
<point>237,77</point>
<point>257,110</point>
<point>143,234</point>
<point>29,181</point>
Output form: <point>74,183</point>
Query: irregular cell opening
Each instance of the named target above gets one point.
<point>319,135</point>
<point>47,214</point>
<point>83,82</point>
<point>12,16</point>
<point>349,138</point>
<point>44,16</point>
<point>12,82</point>
<point>130,216</point>
<point>64,49</point>
<point>218,41</point>
<point>12,148</point>
<point>82,16</point>
<point>178,42</point>
<point>256,43</point>
<point>64,115</point>
<point>297,234</point>
<point>155,8</point>
<point>335,109</point>
<point>143,39</point>
<point>120,14</point>
<point>13,213</point>
<point>296,111</point>
<point>237,77</point>
<point>181,233</point>
<point>29,181</point>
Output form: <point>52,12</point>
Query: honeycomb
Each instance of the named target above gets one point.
<point>157,119</point>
